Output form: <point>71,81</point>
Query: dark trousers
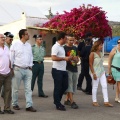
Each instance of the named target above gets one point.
<point>60,85</point>
<point>38,71</point>
<point>2,91</point>
<point>85,73</point>
<point>5,81</point>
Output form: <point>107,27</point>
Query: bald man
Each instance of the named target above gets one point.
<point>5,75</point>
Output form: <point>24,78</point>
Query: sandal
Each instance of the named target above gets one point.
<point>95,104</point>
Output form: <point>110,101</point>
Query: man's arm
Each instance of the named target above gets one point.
<point>31,60</point>
<point>56,58</point>
<point>12,56</point>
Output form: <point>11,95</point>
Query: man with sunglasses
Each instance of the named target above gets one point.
<point>38,68</point>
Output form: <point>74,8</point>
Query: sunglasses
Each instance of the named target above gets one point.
<point>118,42</point>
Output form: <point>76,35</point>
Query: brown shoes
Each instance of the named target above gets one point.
<point>31,109</point>
<point>107,104</point>
<point>16,107</point>
<point>95,104</point>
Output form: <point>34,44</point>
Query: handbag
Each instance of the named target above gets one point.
<point>110,80</point>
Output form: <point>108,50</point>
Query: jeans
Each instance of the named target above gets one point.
<point>19,75</point>
<point>60,85</point>
<point>103,83</point>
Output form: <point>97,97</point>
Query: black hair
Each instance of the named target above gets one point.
<point>37,36</point>
<point>88,34</point>
<point>8,34</point>
<point>61,35</point>
<point>118,39</point>
<point>22,32</point>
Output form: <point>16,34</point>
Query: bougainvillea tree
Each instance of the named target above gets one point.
<point>81,20</point>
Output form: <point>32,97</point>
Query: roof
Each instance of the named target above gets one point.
<point>35,21</point>
<point>10,12</point>
<point>39,28</point>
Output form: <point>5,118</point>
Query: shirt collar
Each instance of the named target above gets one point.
<point>58,44</point>
<point>4,47</point>
<point>7,45</point>
<point>37,45</point>
<point>22,43</point>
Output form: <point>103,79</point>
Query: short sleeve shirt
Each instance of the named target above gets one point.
<point>38,53</point>
<point>71,51</point>
<point>59,51</point>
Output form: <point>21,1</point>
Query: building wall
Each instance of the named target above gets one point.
<point>14,27</point>
<point>47,38</point>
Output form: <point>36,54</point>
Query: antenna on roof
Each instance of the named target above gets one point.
<point>50,13</point>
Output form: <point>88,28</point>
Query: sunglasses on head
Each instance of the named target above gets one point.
<point>118,42</point>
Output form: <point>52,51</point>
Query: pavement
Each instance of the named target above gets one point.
<point>46,109</point>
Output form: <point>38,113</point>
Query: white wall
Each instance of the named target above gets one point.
<point>14,27</point>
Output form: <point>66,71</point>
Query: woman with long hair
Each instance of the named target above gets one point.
<point>114,67</point>
<point>98,73</point>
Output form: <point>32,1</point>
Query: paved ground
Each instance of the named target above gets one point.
<point>46,109</point>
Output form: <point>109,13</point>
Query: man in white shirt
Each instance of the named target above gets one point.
<point>5,75</point>
<point>59,72</point>
<point>21,61</point>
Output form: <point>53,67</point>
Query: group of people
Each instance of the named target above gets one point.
<point>64,70</point>
<point>20,61</point>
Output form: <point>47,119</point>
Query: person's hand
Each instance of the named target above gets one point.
<point>12,72</point>
<point>75,59</point>
<point>68,58</point>
<point>30,68</point>
<point>109,72</point>
<point>94,76</point>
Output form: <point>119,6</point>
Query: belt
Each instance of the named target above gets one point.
<point>38,62</point>
<point>22,67</point>
<point>117,68</point>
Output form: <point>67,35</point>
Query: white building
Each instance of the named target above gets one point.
<point>15,17</point>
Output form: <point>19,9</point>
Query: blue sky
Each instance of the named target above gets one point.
<point>112,7</point>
